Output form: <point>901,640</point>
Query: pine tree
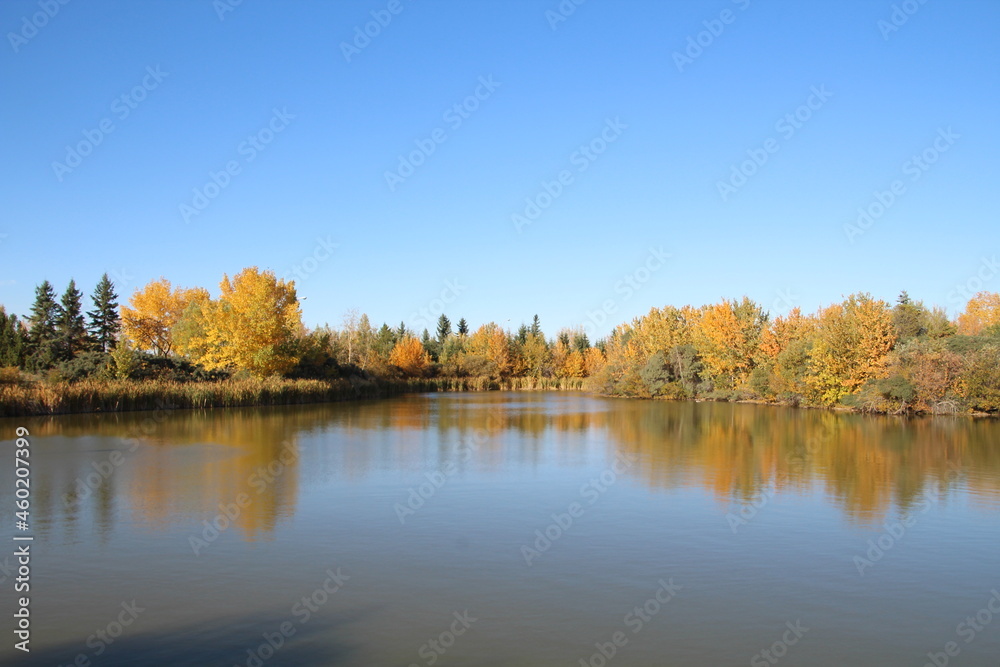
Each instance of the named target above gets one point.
<point>104,320</point>
<point>443,328</point>
<point>401,332</point>
<point>522,334</point>
<point>70,330</point>
<point>11,340</point>
<point>463,327</point>
<point>42,339</point>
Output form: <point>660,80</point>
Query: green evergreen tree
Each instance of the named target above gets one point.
<point>11,340</point>
<point>401,331</point>
<point>104,319</point>
<point>536,326</point>
<point>522,334</point>
<point>70,330</point>
<point>42,342</point>
<point>385,339</point>
<point>463,327</point>
<point>443,328</point>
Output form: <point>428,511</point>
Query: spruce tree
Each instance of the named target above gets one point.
<point>42,340</point>
<point>463,327</point>
<point>536,326</point>
<point>443,328</point>
<point>11,340</point>
<point>104,319</point>
<point>70,330</point>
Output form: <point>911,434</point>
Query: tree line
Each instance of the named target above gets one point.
<point>861,353</point>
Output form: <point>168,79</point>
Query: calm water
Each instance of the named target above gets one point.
<point>510,529</point>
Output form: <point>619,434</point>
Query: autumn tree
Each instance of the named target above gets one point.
<point>850,348</point>
<point>727,337</point>
<point>490,343</point>
<point>253,326</point>
<point>104,322</point>
<point>410,356</point>
<point>981,312</point>
<point>152,313</point>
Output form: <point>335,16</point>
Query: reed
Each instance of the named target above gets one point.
<point>26,398</point>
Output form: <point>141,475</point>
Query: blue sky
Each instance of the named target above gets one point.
<point>200,90</point>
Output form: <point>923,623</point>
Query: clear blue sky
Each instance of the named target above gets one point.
<point>893,94</point>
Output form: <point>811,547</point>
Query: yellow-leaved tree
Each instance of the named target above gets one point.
<point>981,313</point>
<point>252,326</point>
<point>852,340</point>
<point>152,313</point>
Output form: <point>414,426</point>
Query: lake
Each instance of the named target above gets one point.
<point>509,529</point>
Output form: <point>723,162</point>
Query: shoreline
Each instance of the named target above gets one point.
<point>120,396</point>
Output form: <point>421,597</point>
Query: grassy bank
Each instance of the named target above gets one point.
<point>45,398</point>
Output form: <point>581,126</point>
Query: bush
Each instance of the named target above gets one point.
<point>83,366</point>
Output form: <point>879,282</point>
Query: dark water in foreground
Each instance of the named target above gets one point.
<point>508,529</point>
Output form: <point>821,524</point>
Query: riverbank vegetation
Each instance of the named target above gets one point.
<point>180,347</point>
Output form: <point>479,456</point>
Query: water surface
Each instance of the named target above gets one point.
<point>511,529</point>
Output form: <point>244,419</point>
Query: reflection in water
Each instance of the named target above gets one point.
<point>179,466</point>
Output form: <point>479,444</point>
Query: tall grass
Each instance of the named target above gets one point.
<point>44,398</point>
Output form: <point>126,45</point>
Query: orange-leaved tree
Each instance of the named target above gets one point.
<point>410,356</point>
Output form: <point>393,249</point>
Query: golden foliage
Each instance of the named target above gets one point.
<point>852,341</point>
<point>410,356</point>
<point>490,342</point>
<point>252,326</point>
<point>153,311</point>
<point>982,312</point>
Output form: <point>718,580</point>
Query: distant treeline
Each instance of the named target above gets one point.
<point>862,353</point>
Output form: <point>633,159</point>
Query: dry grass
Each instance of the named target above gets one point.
<point>22,398</point>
